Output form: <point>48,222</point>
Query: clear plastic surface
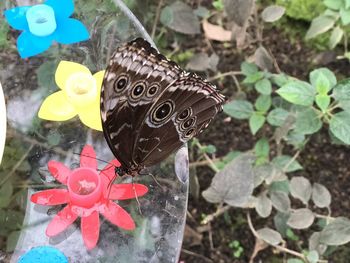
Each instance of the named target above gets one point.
<point>32,142</point>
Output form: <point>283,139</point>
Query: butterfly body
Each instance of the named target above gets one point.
<point>150,107</point>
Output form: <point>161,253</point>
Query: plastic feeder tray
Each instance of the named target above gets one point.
<point>33,142</point>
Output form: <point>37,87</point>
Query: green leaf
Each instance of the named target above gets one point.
<point>263,103</point>
<point>342,90</point>
<point>301,189</point>
<point>345,16</point>
<point>341,93</point>
<point>12,240</point>
<point>301,218</point>
<point>321,196</point>
<point>347,4</point>
<point>234,184</point>
<point>201,11</point>
<point>321,84</point>
<point>312,256</point>
<point>319,25</point>
<point>54,138</point>
<point>307,121</point>
<point>264,86</point>
<point>298,92</point>
<point>262,148</point>
<point>277,116</point>
<point>333,4</point>
<point>256,121</point>
<point>340,126</point>
<point>279,79</point>
<point>323,80</point>
<point>239,109</point>
<point>280,186</point>
<point>272,13</point>
<point>248,68</point>
<point>269,236</point>
<point>263,205</point>
<point>228,158</point>
<point>336,37</point>
<point>6,191</point>
<point>219,5</point>
<point>280,201</point>
<point>323,102</point>
<point>336,233</point>
<point>295,260</point>
<point>253,78</point>
<point>296,139</point>
<point>283,160</point>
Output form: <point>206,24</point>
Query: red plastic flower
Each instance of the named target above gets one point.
<point>86,196</point>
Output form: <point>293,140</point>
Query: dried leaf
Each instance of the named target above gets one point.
<point>214,32</point>
<point>202,62</point>
<point>300,188</point>
<point>270,236</point>
<point>239,10</point>
<point>321,195</point>
<point>180,17</point>
<point>234,184</point>
<point>301,218</point>
<point>263,59</point>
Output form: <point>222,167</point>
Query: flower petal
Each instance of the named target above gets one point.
<point>59,171</point>
<point>98,76</point>
<point>91,116</point>
<point>109,170</point>
<point>88,157</point>
<point>56,108</point>
<point>90,229</point>
<point>29,45</point>
<point>62,8</point>
<point>71,31</point>
<point>118,216</point>
<point>16,17</point>
<point>67,68</point>
<point>127,191</point>
<point>51,197</point>
<point>61,221</point>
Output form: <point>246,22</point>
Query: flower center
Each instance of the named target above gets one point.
<point>84,186</point>
<point>41,20</point>
<point>81,89</point>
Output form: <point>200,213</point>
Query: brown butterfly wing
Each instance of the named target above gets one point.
<point>136,75</point>
<point>183,110</point>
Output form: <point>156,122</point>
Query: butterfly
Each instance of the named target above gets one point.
<point>150,107</point>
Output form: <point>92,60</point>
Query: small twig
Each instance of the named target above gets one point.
<point>14,169</point>
<point>291,160</point>
<point>203,163</point>
<point>156,19</point>
<point>225,74</point>
<point>221,209</point>
<point>210,233</point>
<point>278,247</point>
<point>188,252</point>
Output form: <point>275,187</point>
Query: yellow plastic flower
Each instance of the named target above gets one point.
<point>79,95</point>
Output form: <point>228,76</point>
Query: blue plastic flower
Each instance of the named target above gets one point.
<point>44,23</point>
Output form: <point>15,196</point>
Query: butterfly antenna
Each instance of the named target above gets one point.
<point>136,197</point>
<point>93,158</point>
